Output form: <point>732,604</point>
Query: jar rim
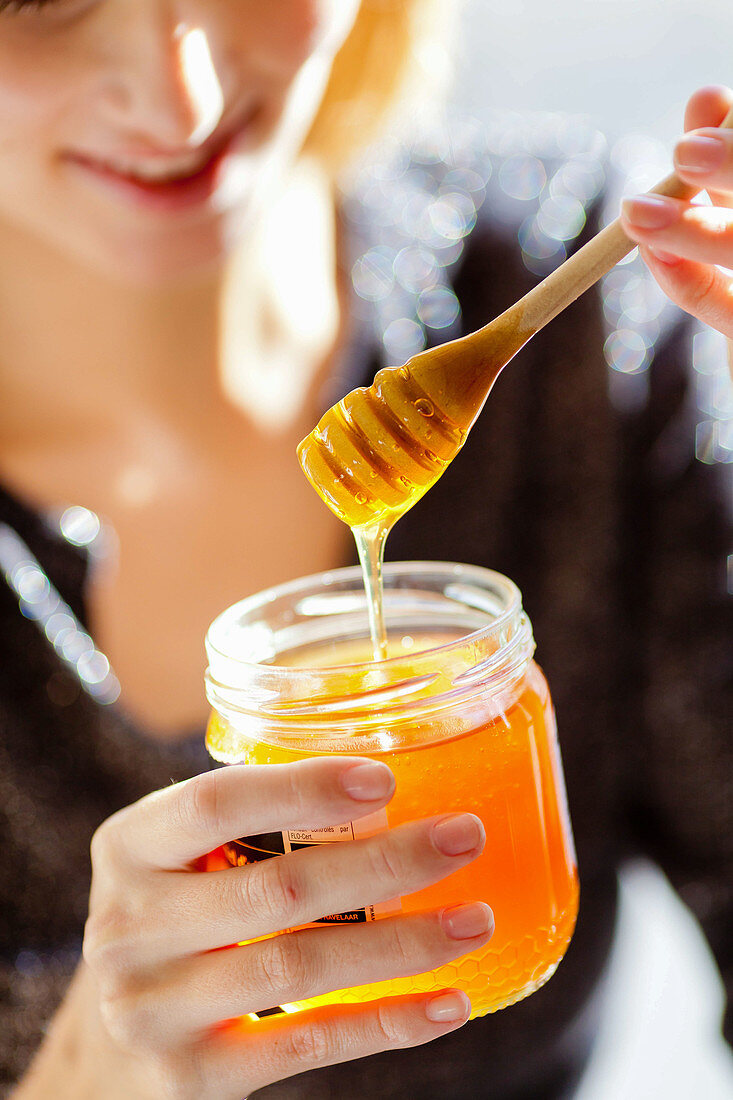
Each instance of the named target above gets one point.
<point>486,657</point>
<point>392,571</point>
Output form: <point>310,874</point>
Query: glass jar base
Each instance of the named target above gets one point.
<point>525,991</point>
<point>486,1010</point>
<point>434,981</point>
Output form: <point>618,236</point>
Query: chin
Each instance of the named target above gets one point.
<point>162,259</point>
<point>189,258</point>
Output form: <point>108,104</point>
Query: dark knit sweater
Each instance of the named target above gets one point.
<point>602,512</point>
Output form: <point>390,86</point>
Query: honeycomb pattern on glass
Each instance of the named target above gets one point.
<point>510,970</point>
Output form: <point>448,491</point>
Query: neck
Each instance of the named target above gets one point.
<point>78,349</point>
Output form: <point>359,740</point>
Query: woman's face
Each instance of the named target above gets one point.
<point>140,135</point>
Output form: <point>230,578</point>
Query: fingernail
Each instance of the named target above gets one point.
<point>664,257</point>
<point>699,154</point>
<point>448,1007</point>
<point>649,211</point>
<point>367,782</point>
<point>461,922</point>
<point>454,836</point>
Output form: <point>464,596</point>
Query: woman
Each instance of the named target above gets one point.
<point>161,226</point>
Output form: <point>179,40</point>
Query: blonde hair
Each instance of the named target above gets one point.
<point>395,57</point>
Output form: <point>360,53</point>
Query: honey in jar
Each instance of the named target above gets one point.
<point>460,713</point>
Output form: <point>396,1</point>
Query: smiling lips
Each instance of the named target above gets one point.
<point>164,182</point>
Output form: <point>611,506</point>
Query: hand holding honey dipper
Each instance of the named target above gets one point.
<point>683,244</point>
<point>374,454</point>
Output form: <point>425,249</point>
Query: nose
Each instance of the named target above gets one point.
<point>168,92</point>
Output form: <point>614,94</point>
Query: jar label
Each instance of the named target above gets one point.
<point>253,849</point>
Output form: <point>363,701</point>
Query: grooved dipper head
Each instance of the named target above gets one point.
<point>376,452</point>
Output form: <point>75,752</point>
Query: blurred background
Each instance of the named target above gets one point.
<point>629,65</point>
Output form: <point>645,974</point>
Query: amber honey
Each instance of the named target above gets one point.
<point>465,722</point>
<point>378,450</point>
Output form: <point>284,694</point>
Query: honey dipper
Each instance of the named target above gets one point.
<point>377,451</point>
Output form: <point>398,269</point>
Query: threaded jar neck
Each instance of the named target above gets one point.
<point>281,667</point>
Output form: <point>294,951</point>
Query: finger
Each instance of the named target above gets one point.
<point>704,158</point>
<point>708,106</point>
<point>700,233</point>
<point>204,990</point>
<point>196,913</point>
<point>171,828</point>
<point>700,289</point>
<point>249,1056</point>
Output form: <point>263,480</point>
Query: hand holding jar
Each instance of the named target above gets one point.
<point>159,984</point>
